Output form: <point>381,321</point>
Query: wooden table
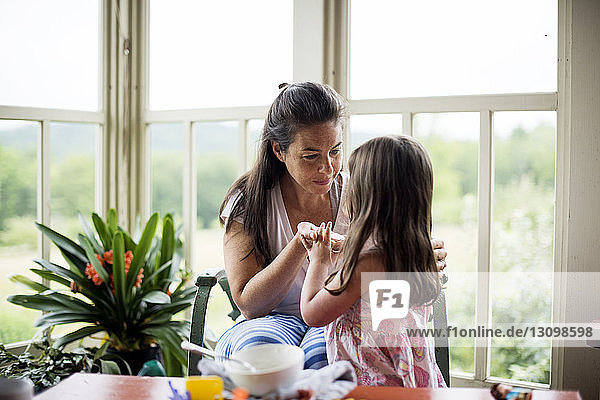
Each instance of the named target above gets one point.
<point>113,387</point>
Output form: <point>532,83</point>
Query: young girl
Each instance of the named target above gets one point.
<point>389,206</point>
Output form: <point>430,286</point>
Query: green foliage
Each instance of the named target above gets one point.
<point>134,310</point>
<point>215,174</point>
<point>17,184</point>
<point>49,367</point>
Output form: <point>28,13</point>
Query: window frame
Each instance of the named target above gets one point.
<point>485,105</point>
<point>46,116</point>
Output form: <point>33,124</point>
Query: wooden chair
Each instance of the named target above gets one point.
<point>210,278</point>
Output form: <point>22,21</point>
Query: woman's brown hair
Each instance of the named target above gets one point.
<point>389,200</point>
<point>297,106</point>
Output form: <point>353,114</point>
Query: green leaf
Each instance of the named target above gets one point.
<point>25,281</point>
<point>119,270</point>
<point>162,310</point>
<point>140,252</point>
<point>76,335</point>
<point>63,242</point>
<point>50,276</point>
<point>102,350</point>
<point>149,280</point>
<point>102,229</point>
<point>111,356</point>
<point>156,296</point>
<point>63,317</point>
<point>94,260</point>
<point>75,264</point>
<point>52,301</point>
<point>130,245</point>
<point>111,221</point>
<point>109,367</point>
<point>90,234</point>
<point>168,240</point>
<point>169,341</point>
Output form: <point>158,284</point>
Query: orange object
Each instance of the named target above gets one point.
<point>240,393</point>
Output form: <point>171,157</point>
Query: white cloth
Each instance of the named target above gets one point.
<point>279,231</point>
<point>331,382</point>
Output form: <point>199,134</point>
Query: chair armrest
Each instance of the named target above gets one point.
<point>440,321</point>
<point>205,283</point>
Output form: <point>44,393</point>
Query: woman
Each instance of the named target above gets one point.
<point>296,178</point>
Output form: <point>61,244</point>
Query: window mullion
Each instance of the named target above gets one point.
<point>43,192</point>
<point>407,123</point>
<point>189,192</point>
<point>243,148</point>
<point>485,189</point>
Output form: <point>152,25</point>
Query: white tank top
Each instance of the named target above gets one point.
<point>279,231</point>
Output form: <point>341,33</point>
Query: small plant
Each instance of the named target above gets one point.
<point>129,290</point>
<point>50,367</point>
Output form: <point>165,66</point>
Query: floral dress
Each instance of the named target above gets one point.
<point>387,357</point>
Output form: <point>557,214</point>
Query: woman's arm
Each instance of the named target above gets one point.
<point>255,290</point>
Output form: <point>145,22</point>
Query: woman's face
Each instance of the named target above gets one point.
<point>314,158</point>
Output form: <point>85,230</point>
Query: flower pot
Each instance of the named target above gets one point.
<point>136,359</point>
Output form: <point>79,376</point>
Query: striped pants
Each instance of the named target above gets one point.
<point>276,328</point>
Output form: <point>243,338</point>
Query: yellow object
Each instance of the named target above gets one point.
<point>205,387</point>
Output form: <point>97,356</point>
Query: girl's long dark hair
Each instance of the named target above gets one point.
<point>298,105</point>
<point>389,199</point>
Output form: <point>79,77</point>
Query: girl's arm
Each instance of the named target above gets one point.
<point>256,290</point>
<point>317,305</point>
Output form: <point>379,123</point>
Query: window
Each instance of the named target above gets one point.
<point>441,48</point>
<point>219,108</point>
<point>50,129</point>
<point>214,54</point>
<point>489,150</point>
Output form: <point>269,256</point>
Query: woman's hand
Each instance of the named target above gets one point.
<point>308,234</point>
<point>440,253</point>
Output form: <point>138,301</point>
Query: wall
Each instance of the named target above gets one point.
<point>582,365</point>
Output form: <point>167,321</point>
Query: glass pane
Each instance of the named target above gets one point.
<point>365,127</point>
<point>54,50</point>
<point>212,53</point>
<point>18,236</point>
<point>72,178</point>
<point>440,48</point>
<point>452,142</point>
<point>166,148</point>
<point>255,127</point>
<point>216,169</point>
<point>522,236</point>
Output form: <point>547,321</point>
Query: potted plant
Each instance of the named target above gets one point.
<point>128,289</point>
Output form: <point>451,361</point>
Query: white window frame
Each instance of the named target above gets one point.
<point>45,117</point>
<point>308,62</point>
<point>338,41</point>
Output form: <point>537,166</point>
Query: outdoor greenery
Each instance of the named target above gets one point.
<point>522,221</point>
<point>128,287</point>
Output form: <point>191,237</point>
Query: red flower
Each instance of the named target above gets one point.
<point>108,256</point>
<point>91,273</point>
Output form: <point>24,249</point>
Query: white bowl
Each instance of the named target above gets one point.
<point>277,365</point>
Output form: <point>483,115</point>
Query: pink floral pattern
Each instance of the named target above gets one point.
<point>401,361</point>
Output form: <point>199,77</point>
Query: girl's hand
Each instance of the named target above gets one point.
<point>320,250</point>
<point>439,252</point>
